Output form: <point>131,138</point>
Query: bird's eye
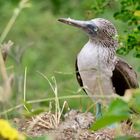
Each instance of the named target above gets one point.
<point>95,28</point>
<point>92,27</point>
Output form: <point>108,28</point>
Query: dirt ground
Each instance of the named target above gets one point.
<point>74,126</point>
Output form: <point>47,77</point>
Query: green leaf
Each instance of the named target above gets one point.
<point>33,112</point>
<point>136,54</point>
<point>136,125</point>
<point>40,138</point>
<point>107,120</point>
<point>118,107</point>
<point>37,111</point>
<point>135,100</point>
<point>28,106</point>
<point>118,111</point>
<point>122,51</point>
<point>126,138</point>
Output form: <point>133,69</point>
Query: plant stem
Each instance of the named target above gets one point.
<point>53,98</point>
<point>24,90</point>
<point>22,4</point>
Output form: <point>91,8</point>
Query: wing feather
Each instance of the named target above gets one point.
<point>124,77</point>
<point>78,76</point>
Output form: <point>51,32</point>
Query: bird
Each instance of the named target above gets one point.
<point>98,69</point>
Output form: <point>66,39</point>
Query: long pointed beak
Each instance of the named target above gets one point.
<point>76,23</point>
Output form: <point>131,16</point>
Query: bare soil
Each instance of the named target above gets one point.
<point>75,126</point>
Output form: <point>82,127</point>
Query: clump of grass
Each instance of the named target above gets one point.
<point>52,120</point>
<point>56,116</point>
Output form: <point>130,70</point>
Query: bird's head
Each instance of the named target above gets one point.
<point>99,30</point>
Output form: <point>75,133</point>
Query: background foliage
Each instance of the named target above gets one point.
<point>42,44</point>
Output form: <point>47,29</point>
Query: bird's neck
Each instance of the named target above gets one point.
<point>95,56</point>
<point>104,56</point>
<point>103,48</point>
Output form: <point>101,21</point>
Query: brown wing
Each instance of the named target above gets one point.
<point>78,76</point>
<point>124,77</point>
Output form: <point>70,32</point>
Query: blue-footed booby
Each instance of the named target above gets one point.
<point>98,69</point>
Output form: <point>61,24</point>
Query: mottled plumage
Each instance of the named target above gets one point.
<point>98,69</point>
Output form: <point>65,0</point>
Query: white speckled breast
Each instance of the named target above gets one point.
<point>95,69</point>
